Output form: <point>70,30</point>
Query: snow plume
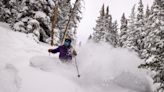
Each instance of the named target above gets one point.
<point>105,66</point>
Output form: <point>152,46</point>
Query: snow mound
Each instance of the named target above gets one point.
<point>132,81</point>
<point>44,62</point>
<point>54,65</point>
<point>9,80</point>
<point>4,25</point>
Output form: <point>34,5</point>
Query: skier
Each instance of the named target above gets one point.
<point>66,51</point>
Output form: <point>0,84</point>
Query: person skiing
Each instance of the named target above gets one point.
<point>66,51</point>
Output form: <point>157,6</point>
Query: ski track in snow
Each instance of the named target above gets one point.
<point>102,68</point>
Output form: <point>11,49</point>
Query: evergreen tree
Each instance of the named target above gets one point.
<point>35,17</point>
<point>9,10</point>
<point>147,29</point>
<point>148,12</point>
<point>1,10</point>
<point>111,29</point>
<point>161,3</point>
<point>140,14</point>
<point>105,30</point>
<point>155,44</point>
<point>123,30</point>
<point>108,20</point>
<point>65,8</point>
<point>130,42</point>
<point>115,34</point>
<point>136,30</point>
<point>69,17</point>
<point>75,19</point>
<point>140,30</point>
<point>99,30</point>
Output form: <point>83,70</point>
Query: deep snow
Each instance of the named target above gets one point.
<point>26,66</point>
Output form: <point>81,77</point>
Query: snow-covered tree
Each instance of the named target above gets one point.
<point>148,12</point>
<point>99,30</point>
<point>140,30</point>
<point>123,29</point>
<point>20,13</point>
<point>108,20</point>
<point>140,14</point>
<point>65,7</point>
<point>130,42</point>
<point>38,11</point>
<point>161,3</point>
<point>154,43</point>
<point>69,17</point>
<point>136,29</point>
<point>147,29</point>
<point>105,29</point>
<point>111,29</point>
<point>75,17</point>
<point>116,34</point>
<point>112,34</point>
<point>9,10</point>
<point>1,10</point>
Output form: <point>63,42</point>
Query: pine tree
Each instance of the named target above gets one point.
<point>139,26</point>
<point>1,10</point>
<point>136,30</point>
<point>99,30</point>
<point>115,34</point>
<point>108,27</point>
<point>75,19</point>
<point>140,30</point>
<point>34,17</point>
<point>69,18</point>
<point>147,29</point>
<point>130,42</point>
<point>148,12</point>
<point>105,29</point>
<point>123,30</point>
<point>9,10</point>
<point>160,3</point>
<point>111,28</point>
<point>65,8</point>
<point>140,14</point>
<point>155,44</point>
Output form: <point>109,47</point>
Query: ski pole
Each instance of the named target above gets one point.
<point>77,68</point>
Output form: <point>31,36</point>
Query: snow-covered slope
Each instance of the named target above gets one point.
<point>27,66</point>
<point>9,79</point>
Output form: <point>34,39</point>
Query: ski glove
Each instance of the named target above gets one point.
<point>74,53</point>
<point>49,50</point>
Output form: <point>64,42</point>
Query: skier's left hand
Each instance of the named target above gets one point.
<point>49,50</point>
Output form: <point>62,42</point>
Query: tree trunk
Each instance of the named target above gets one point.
<point>66,28</point>
<point>54,22</point>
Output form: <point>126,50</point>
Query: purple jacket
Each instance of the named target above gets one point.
<point>65,52</point>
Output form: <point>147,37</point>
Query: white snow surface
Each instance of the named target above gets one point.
<point>26,66</point>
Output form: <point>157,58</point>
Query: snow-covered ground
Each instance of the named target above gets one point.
<point>26,66</point>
